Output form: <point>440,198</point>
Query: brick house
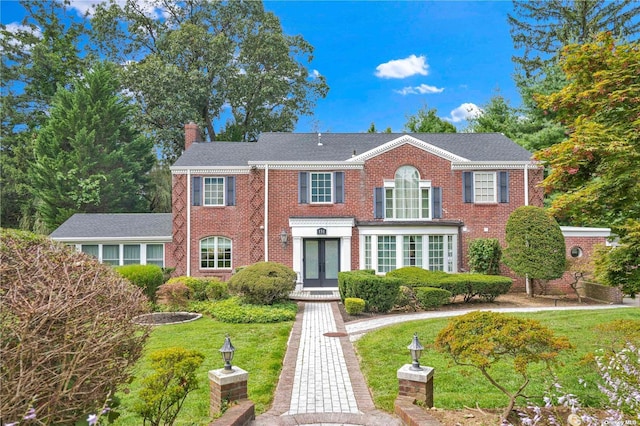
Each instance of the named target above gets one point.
<point>323,203</point>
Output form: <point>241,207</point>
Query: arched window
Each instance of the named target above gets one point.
<point>215,253</point>
<point>406,198</point>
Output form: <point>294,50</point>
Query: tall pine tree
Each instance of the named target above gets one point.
<point>89,156</point>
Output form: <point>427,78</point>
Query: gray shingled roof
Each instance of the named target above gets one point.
<point>114,225</point>
<point>341,146</point>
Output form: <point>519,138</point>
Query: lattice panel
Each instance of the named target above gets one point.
<point>256,217</point>
<point>180,224</point>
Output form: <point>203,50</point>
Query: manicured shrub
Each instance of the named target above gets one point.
<point>485,255</point>
<point>203,288</point>
<point>232,310</point>
<point>379,293</point>
<point>174,295</point>
<point>353,305</point>
<point>483,339</point>
<point>487,287</point>
<point>431,298</point>
<point>164,391</point>
<point>147,277</point>
<point>66,339</point>
<point>406,299</point>
<point>263,283</point>
<point>412,276</point>
<point>453,284</point>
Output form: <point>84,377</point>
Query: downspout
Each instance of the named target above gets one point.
<point>526,185</point>
<point>188,222</point>
<point>266,212</point>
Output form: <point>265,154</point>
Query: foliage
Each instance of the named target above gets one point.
<point>67,337</point>
<point>613,335</point>
<point>487,287</point>
<point>159,195</point>
<point>542,29</point>
<point>203,57</point>
<point>43,54</point>
<point>379,293</point>
<point>263,283</point>
<point>203,288</point>
<point>354,305</point>
<point>89,157</point>
<point>378,349</point>
<point>174,295</point>
<point>485,255</point>
<point>413,276</point>
<point>497,117</point>
<point>147,277</point>
<point>163,393</point>
<point>483,339</point>
<point>580,268</point>
<point>406,299</point>
<point>431,298</point>
<point>426,120</point>
<point>535,244</point>
<point>620,266</point>
<point>233,311</point>
<point>595,169</point>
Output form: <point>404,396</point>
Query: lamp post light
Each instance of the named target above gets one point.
<point>227,351</point>
<point>416,350</point>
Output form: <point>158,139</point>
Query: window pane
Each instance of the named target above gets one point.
<point>215,253</point>
<point>213,191</point>
<point>321,186</point>
<point>155,254</point>
<point>208,253</point>
<point>407,193</point>
<point>111,254</point>
<point>131,254</point>
<point>91,249</point>
<point>484,187</point>
<point>388,200</point>
<point>425,204</point>
<point>311,259</point>
<point>331,255</point>
<point>450,253</point>
<point>367,252</point>
<point>412,249</point>
<point>436,253</point>
<point>224,253</point>
<point>386,253</point>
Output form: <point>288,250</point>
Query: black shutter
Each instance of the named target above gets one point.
<point>436,203</point>
<point>338,181</point>
<point>196,191</point>
<point>303,187</point>
<point>378,203</point>
<point>230,181</point>
<point>467,187</point>
<point>503,187</point>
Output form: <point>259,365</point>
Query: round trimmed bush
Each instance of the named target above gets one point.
<point>353,305</point>
<point>431,298</point>
<point>203,288</point>
<point>263,283</point>
<point>147,277</point>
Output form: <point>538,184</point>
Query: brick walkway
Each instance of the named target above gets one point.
<point>321,382</point>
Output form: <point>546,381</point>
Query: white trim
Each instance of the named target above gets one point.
<point>266,213</point>
<point>495,188</point>
<point>526,186</point>
<point>224,191</point>
<point>307,165</point>
<point>115,240</point>
<point>407,139</point>
<point>211,170</point>
<point>489,165</point>
<point>298,222</point>
<point>408,230</point>
<point>331,187</point>
<point>578,231</point>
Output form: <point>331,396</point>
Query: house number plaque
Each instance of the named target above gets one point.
<point>322,231</point>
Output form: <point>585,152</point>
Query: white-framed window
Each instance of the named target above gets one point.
<point>111,254</point>
<point>155,254</point>
<point>484,187</point>
<point>321,187</point>
<point>407,197</point>
<point>91,249</point>
<point>214,191</point>
<point>215,253</point>
<point>131,254</point>
<point>386,249</point>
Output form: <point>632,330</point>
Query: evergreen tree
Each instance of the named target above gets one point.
<point>88,156</point>
<point>426,120</point>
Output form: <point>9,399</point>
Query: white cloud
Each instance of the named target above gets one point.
<point>16,28</point>
<point>423,89</point>
<point>314,74</point>
<point>148,7</point>
<point>464,112</point>
<point>401,68</point>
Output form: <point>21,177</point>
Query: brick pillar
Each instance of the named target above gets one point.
<point>191,134</point>
<point>416,384</point>
<point>227,387</point>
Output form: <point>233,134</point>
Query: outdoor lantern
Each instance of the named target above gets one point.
<point>284,237</point>
<point>416,350</point>
<point>227,351</point>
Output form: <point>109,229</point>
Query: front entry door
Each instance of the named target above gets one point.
<point>321,262</point>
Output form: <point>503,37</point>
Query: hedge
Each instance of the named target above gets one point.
<point>431,298</point>
<point>487,287</point>
<point>412,276</point>
<point>263,283</point>
<point>379,293</point>
<point>353,305</point>
<point>147,277</point>
<point>232,310</point>
<point>203,288</point>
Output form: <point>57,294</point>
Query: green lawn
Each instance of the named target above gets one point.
<point>383,351</point>
<point>260,349</point>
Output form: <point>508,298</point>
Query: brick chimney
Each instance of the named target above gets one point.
<point>191,134</point>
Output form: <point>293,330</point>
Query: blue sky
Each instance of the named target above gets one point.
<point>385,60</point>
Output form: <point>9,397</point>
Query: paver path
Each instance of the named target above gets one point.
<point>321,382</point>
